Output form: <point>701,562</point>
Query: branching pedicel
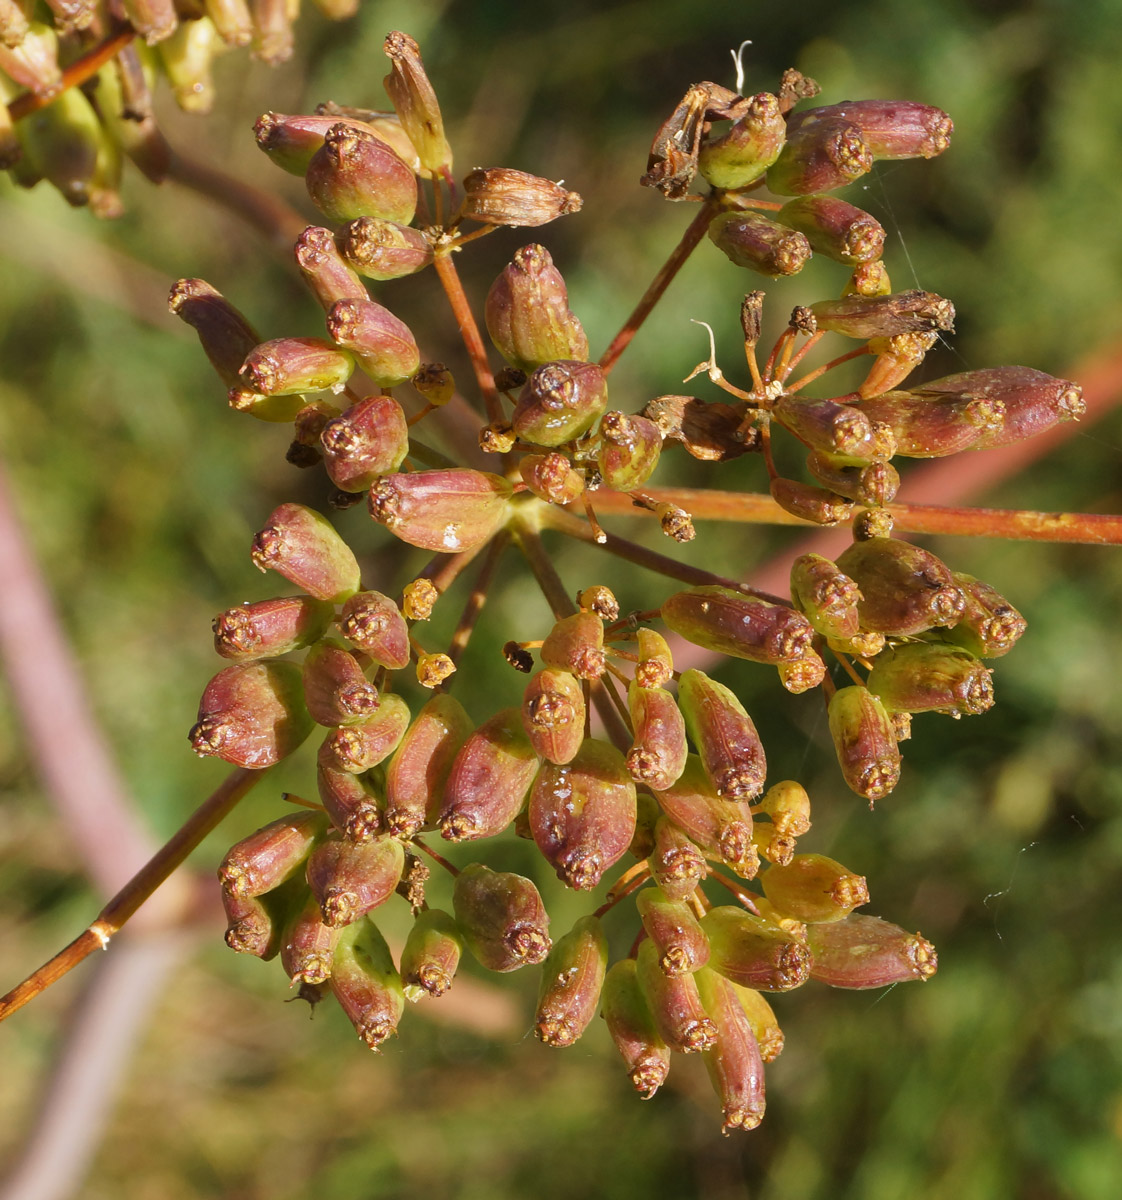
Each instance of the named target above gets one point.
<point>678,778</point>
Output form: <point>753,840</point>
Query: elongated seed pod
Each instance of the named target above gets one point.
<point>675,931</point>
<point>418,771</point>
<point>489,779</point>
<point>734,1062</point>
<point>366,983</point>
<point>726,739</point>
<point>631,1027</point>
<point>572,976</point>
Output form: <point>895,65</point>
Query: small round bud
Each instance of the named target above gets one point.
<point>418,599</point>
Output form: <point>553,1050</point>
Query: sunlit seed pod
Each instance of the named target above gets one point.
<point>674,1003</point>
<point>385,125</point>
<point>873,523</point>
<point>380,249</point>
<point>225,335</point>
<point>336,689</point>
<point>418,598</point>
<point>435,383</point>
<point>874,483</point>
<point>349,799</point>
<point>447,509</point>
<point>866,644</point>
<point>415,103</point>
<point>291,140</point>
<point>802,674</point>
<point>742,626</point>
<point>735,1062</point>
<point>935,426</point>
<point>354,174</point>
<point>601,600</point>
<point>572,978</point>
<point>384,346</point>
<point>576,644</point>
<point>365,982</point>
<point>560,401</point>
<point>365,744</point>
<point>1034,402</point>
<point>896,358</point>
<point>762,1018</point>
<point>814,889</point>
<point>502,196</point>
<point>895,129</point>
<point>232,19</point>
<point>418,771</point>
<point>186,56</point>
<point>286,366</point>
<point>866,952</point>
<point>254,924</point>
<point>818,156</point>
<point>788,806</point>
<point>252,715</point>
<point>721,829</point>
<point>527,313</point>
<point>825,595</point>
<point>672,927</point>
<point>431,955</point>
<point>725,736</point>
<point>369,440</point>
<point>677,866</point>
<point>551,477</point>
<point>501,915</point>
<point>267,628</point>
<point>271,855</point>
<point>904,588</point>
<point>828,425</point>
<point>583,814</point>
<point>553,714</point>
<point>773,846</point>
<point>709,431</point>
<point>835,228</point>
<point>629,450</point>
<point>745,151</point>
<point>885,316</point>
<point>749,239</point>
<point>433,669</point>
<point>14,22</point>
<point>301,545</point>
<point>990,626</point>
<point>753,951</point>
<point>868,279</point>
<point>931,677</point>
<point>327,275</point>
<point>33,63</point>
<point>632,1029</point>
<point>497,438</point>
<point>375,624</point>
<point>655,667</point>
<point>865,742</point>
<point>816,504</point>
<point>154,20</point>
<point>307,944</point>
<point>658,752</point>
<point>489,779</point>
<point>350,879</point>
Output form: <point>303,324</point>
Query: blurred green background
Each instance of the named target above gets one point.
<point>140,490</point>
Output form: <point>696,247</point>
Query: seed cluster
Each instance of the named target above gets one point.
<point>79,138</point>
<point>677,777</point>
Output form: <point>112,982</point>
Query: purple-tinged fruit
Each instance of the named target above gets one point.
<point>904,588</point>
<point>865,741</point>
<point>560,401</point>
<point>268,628</point>
<point>835,228</point>
<point>866,952</point>
<point>431,955</point>
<point>734,1062</point>
<point>380,250</point>
<point>658,752</point>
<point>353,174</point>
<point>450,509</point>
<point>384,346</point>
<point>931,677</point>
<point>350,879</point>
<point>672,927</point>
<point>572,978</point>
<point>489,779</point>
<point>553,714</point>
<point>270,856</point>
<point>358,747</point>
<point>576,644</point>
<point>374,623</point>
<point>502,917</point>
<point>417,773</point>
<point>632,1029</point>
<point>742,626</point>
<point>754,952</point>
<point>527,313</point>
<point>369,440</point>
<point>366,983</point>
<point>301,545</point>
<point>749,239</point>
<point>336,689</point>
<point>674,1003</point>
<point>726,739</point>
<point>252,715</point>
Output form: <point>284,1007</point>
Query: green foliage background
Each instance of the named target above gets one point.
<point>140,490</point>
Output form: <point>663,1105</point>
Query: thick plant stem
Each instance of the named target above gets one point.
<point>465,321</point>
<point>125,903</point>
<point>755,508</point>
<point>695,231</point>
<point>77,73</point>
<point>530,543</point>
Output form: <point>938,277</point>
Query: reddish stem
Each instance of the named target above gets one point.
<point>77,73</point>
<point>469,332</point>
<point>125,903</point>
<point>695,231</point>
<point>1093,529</point>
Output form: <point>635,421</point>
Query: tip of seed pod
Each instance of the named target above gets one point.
<point>648,1077</point>
<point>554,1031</point>
<point>338,908</point>
<point>701,1035</point>
<point>375,1033</point>
<point>529,943</point>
